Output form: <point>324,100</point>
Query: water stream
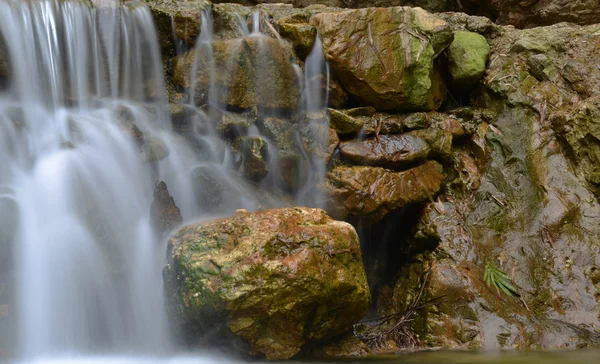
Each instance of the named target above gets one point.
<point>85,134</point>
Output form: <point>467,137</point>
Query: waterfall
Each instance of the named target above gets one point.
<point>84,136</point>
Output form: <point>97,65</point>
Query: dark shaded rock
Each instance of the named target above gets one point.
<point>345,346</point>
<point>255,157</point>
<point>276,278</point>
<point>4,63</point>
<point>390,151</point>
<point>372,193</point>
<point>165,215</point>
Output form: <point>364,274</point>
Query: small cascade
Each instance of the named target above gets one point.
<point>262,116</point>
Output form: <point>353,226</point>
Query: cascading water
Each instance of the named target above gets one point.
<point>85,134</point>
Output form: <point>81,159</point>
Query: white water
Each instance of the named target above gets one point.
<point>88,264</point>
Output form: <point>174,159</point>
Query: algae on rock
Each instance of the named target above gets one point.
<point>385,57</point>
<point>276,278</point>
<point>244,73</point>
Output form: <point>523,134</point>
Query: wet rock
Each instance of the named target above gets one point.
<point>439,141</point>
<point>477,24</point>
<point>154,149</point>
<point>362,111</point>
<point>177,18</point>
<point>227,18</point>
<point>526,176</point>
<point>344,346</point>
<point>4,65</point>
<point>390,151</point>
<point>182,115</point>
<point>213,191</point>
<point>320,141</point>
<point>289,172</point>
<point>248,72</point>
<point>255,157</point>
<point>344,124</point>
<point>336,94</point>
<point>164,214</point>
<point>389,67</point>
<point>467,57</point>
<point>382,123</point>
<point>372,192</point>
<point>581,130</point>
<point>233,125</point>
<point>296,29</point>
<point>276,278</point>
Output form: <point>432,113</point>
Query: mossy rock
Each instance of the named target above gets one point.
<point>276,278</point>
<point>297,30</point>
<point>385,57</point>
<point>467,57</point>
<point>245,73</point>
<point>343,123</point>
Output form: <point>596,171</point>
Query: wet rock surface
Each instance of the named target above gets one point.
<point>373,192</point>
<point>275,278</point>
<point>164,213</point>
<point>246,72</point>
<point>391,151</point>
<point>385,56</point>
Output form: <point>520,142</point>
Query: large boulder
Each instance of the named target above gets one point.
<point>254,71</point>
<point>385,57</point>
<point>277,279</point>
<point>372,192</point>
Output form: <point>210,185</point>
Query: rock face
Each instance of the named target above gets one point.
<point>467,57</point>
<point>524,196</point>
<point>4,65</point>
<point>246,72</point>
<point>525,14</point>
<point>177,18</point>
<point>372,192</point>
<point>165,215</point>
<point>276,278</point>
<point>297,30</point>
<point>385,57</point>
<point>255,157</point>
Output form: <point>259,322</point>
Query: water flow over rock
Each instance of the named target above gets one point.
<point>85,135</point>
